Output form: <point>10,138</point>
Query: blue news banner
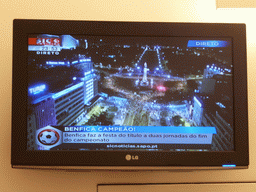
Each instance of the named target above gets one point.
<point>128,134</point>
<point>208,43</point>
<point>139,134</point>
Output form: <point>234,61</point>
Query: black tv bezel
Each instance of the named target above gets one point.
<point>21,156</point>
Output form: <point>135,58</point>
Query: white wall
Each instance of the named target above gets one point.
<point>112,10</point>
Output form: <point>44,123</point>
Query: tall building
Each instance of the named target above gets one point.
<point>88,90</point>
<point>43,109</point>
<point>41,112</point>
<point>223,140</point>
<point>217,86</point>
<point>197,111</point>
<point>69,104</point>
<point>90,80</point>
<point>31,124</point>
<point>210,112</point>
<point>216,80</point>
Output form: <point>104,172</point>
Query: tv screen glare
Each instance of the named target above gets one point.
<point>130,91</point>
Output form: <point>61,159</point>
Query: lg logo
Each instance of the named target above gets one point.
<point>131,157</point>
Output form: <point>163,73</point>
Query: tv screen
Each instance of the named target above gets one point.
<point>136,91</point>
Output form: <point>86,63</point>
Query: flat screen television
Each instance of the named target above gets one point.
<point>129,95</point>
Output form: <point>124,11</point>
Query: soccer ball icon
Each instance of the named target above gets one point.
<point>48,137</point>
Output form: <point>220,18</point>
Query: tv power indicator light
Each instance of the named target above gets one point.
<point>228,166</point>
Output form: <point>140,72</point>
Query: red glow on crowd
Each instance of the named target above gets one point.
<point>161,88</point>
